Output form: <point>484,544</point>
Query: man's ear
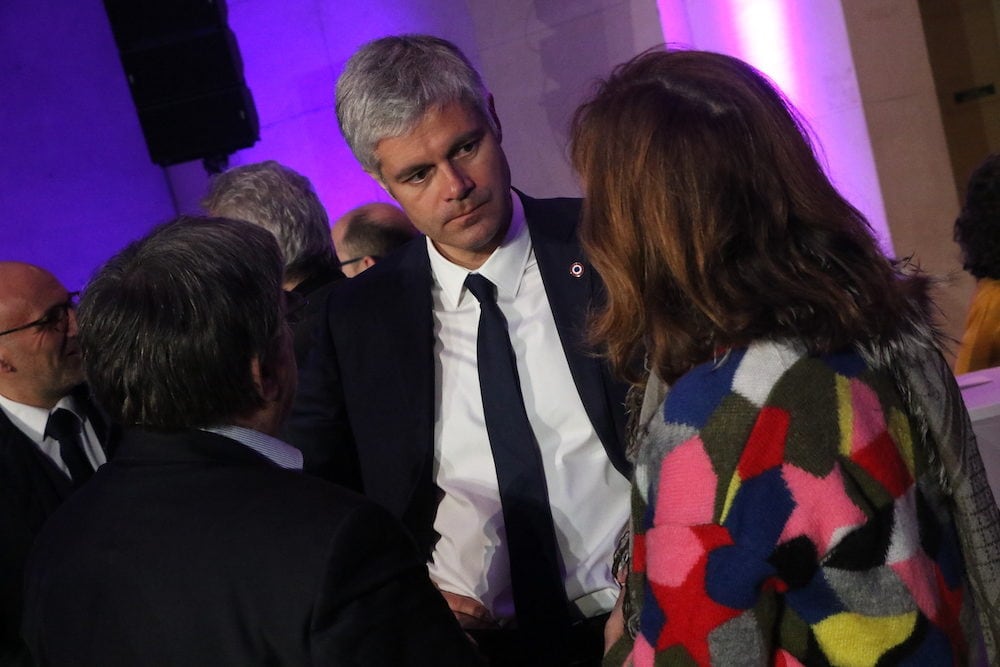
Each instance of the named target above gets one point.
<point>367,262</point>
<point>264,379</point>
<point>496,119</point>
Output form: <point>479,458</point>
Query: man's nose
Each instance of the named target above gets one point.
<point>459,183</point>
<point>71,328</point>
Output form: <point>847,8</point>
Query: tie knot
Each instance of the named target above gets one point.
<point>481,288</point>
<point>62,424</point>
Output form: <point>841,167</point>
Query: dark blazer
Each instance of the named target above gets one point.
<point>364,415</point>
<point>31,488</point>
<point>191,549</point>
<point>314,290</point>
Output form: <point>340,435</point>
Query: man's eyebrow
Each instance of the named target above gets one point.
<point>472,135</point>
<point>405,172</point>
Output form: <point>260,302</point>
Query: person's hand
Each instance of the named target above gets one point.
<point>615,626</point>
<point>471,614</point>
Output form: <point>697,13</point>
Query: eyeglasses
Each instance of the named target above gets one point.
<point>358,259</point>
<point>53,319</point>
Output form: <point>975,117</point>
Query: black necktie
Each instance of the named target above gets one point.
<point>535,572</point>
<point>66,427</point>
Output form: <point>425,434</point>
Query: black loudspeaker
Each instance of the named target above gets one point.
<point>186,77</point>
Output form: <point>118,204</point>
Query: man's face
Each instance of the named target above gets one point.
<point>451,177</point>
<point>40,364</point>
<point>351,263</point>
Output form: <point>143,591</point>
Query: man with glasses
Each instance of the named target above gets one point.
<point>369,232</point>
<point>51,437</point>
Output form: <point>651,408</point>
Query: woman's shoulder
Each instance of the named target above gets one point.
<point>763,373</point>
<point>751,372</point>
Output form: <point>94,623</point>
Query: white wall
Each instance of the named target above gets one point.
<point>540,59</point>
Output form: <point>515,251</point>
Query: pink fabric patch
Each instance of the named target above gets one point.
<point>674,550</point>
<point>868,421</point>
<point>686,491</point>
<point>821,506</point>
<point>918,575</point>
<point>642,653</point>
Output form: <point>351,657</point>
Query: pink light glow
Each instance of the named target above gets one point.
<point>804,48</point>
<point>762,30</point>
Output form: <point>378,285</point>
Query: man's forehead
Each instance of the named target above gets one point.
<point>462,117</point>
<point>20,277</point>
<point>25,287</point>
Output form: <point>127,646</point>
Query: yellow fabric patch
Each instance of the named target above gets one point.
<point>734,485</point>
<point>899,429</point>
<point>850,640</point>
<point>845,413</point>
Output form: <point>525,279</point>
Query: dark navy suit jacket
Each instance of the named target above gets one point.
<point>31,488</point>
<point>189,548</point>
<point>364,415</point>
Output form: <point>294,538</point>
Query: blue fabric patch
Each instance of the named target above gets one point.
<point>815,601</point>
<point>696,395</point>
<point>760,511</point>
<point>733,576</point>
<point>652,620</point>
<point>935,649</point>
<point>848,364</point>
<point>755,521</point>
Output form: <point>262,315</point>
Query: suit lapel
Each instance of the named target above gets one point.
<point>107,433</point>
<point>571,286</point>
<point>30,470</point>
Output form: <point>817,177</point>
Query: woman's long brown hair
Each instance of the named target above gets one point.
<point>712,222</point>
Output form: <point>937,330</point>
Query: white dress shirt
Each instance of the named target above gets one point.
<point>31,421</point>
<point>589,498</point>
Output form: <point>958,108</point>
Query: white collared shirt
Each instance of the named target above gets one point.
<point>277,451</point>
<point>32,420</point>
<point>589,498</point>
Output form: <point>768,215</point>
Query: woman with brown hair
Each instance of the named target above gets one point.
<point>808,491</point>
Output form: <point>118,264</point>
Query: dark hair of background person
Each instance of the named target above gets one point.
<point>713,224</point>
<point>977,228</point>
<point>366,236</point>
<point>283,202</point>
<point>162,349</point>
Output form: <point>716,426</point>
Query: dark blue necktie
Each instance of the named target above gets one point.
<point>67,428</point>
<point>536,576</point>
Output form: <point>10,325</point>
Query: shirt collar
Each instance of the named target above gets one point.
<point>32,420</point>
<point>271,448</point>
<point>504,268</point>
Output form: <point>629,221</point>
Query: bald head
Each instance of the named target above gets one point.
<point>369,232</point>
<point>39,364</point>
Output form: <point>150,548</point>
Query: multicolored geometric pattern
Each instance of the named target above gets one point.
<point>785,514</point>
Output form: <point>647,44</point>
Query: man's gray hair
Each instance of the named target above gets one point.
<point>282,201</point>
<point>391,82</point>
